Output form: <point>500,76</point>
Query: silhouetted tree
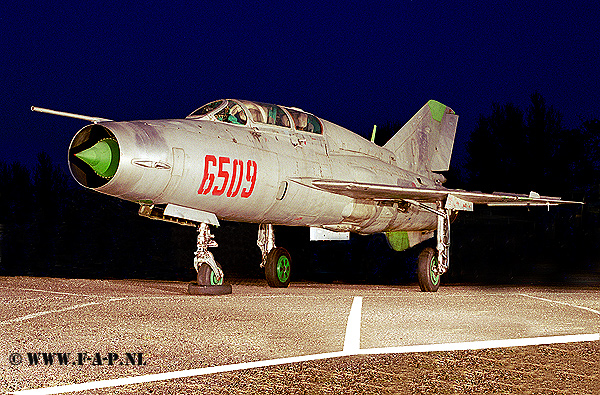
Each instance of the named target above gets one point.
<point>497,150</point>
<point>48,211</point>
<point>17,203</point>
<point>3,207</point>
<point>543,131</point>
<point>577,164</point>
<point>517,151</point>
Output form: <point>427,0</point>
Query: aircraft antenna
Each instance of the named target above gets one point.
<point>373,134</point>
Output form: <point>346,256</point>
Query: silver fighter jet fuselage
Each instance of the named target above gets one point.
<point>246,161</point>
<point>255,169</point>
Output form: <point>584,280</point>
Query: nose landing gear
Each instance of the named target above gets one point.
<point>210,274</point>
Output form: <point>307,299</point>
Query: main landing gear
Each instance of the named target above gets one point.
<point>432,264</point>
<point>275,260</point>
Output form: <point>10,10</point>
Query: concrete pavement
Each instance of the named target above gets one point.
<point>108,326</point>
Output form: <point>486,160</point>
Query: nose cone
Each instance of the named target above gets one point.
<point>102,157</point>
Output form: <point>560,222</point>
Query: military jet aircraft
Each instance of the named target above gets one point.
<point>247,161</point>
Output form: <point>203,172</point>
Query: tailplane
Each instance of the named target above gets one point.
<point>424,143</point>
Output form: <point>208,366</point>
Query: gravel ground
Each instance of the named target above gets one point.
<point>549,369</point>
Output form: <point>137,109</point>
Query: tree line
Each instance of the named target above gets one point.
<point>50,226</point>
<point>515,150</point>
<point>53,227</point>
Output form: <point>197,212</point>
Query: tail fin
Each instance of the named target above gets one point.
<point>425,142</point>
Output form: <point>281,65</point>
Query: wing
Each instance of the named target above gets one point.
<point>457,199</point>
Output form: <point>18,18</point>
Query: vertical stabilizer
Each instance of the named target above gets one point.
<point>425,142</point>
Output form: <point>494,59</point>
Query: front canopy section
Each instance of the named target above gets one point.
<point>228,111</point>
<point>243,112</point>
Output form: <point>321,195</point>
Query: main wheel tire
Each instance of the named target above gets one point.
<point>428,280</point>
<point>278,268</point>
<point>206,276</point>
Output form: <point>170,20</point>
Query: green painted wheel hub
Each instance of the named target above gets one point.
<point>283,268</point>
<point>435,278</point>
<point>213,279</point>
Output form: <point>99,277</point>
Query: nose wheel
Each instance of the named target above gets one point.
<point>206,276</point>
<point>209,280</point>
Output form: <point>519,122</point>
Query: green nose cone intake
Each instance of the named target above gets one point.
<point>103,157</point>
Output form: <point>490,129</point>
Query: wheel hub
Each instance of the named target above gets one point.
<point>283,269</point>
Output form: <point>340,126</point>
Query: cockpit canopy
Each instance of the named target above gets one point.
<point>242,112</point>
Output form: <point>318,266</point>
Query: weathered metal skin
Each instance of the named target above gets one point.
<point>254,162</point>
<point>255,173</point>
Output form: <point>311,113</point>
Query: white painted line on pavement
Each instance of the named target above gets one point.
<point>563,303</point>
<point>485,344</point>
<point>175,375</point>
<point>52,292</point>
<point>535,341</point>
<point>41,313</point>
<point>352,339</point>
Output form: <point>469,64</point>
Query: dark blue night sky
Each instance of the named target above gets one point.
<point>355,63</point>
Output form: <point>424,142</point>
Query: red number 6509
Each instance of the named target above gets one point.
<point>232,175</point>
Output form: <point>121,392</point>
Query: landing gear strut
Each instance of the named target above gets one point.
<point>275,260</point>
<point>210,275</point>
<point>432,264</point>
<point>443,239</point>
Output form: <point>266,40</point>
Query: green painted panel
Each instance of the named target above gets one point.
<point>398,240</point>
<point>437,110</point>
